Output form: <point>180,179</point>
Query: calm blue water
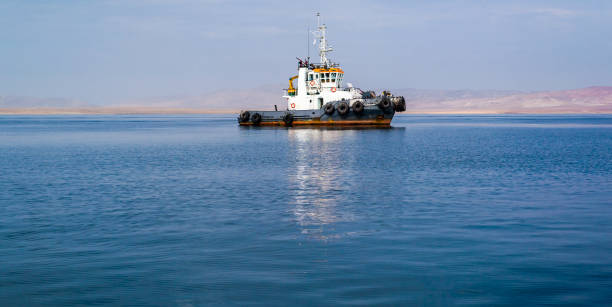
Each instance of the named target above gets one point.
<point>193,210</point>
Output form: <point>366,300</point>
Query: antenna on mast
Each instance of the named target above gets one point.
<point>323,47</point>
<point>308,40</point>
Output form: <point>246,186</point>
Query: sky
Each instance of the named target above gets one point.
<point>113,50</point>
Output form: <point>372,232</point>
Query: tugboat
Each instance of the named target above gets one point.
<point>320,98</point>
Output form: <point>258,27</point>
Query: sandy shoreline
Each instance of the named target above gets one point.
<point>151,111</point>
<point>108,111</point>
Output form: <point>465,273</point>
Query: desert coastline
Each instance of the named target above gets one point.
<point>589,100</point>
<point>108,111</point>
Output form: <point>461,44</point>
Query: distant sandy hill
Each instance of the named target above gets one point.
<point>20,102</point>
<point>596,99</point>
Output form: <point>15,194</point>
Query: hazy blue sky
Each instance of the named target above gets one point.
<point>111,50</point>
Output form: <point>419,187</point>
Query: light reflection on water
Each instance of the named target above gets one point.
<point>316,179</point>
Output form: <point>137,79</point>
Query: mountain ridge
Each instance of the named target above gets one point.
<point>593,99</point>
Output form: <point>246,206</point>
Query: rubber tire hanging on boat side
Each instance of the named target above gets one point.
<point>343,108</point>
<point>358,107</point>
<point>400,106</point>
<point>288,119</point>
<point>384,103</point>
<point>256,118</point>
<point>244,116</point>
<point>328,108</point>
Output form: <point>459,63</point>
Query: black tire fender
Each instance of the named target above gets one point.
<point>343,108</point>
<point>358,107</point>
<point>256,118</point>
<point>384,103</point>
<point>288,119</point>
<point>400,106</point>
<point>244,116</point>
<point>328,108</point>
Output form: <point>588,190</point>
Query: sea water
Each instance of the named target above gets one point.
<point>194,210</point>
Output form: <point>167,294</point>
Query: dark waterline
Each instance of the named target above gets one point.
<point>193,210</point>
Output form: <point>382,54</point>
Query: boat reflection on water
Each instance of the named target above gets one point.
<point>317,179</point>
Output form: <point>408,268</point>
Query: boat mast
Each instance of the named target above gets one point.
<point>323,47</point>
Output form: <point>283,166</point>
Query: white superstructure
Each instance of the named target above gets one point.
<point>319,83</point>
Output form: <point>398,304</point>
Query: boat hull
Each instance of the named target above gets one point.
<point>372,116</point>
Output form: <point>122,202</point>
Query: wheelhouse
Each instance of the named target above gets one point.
<point>325,77</point>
